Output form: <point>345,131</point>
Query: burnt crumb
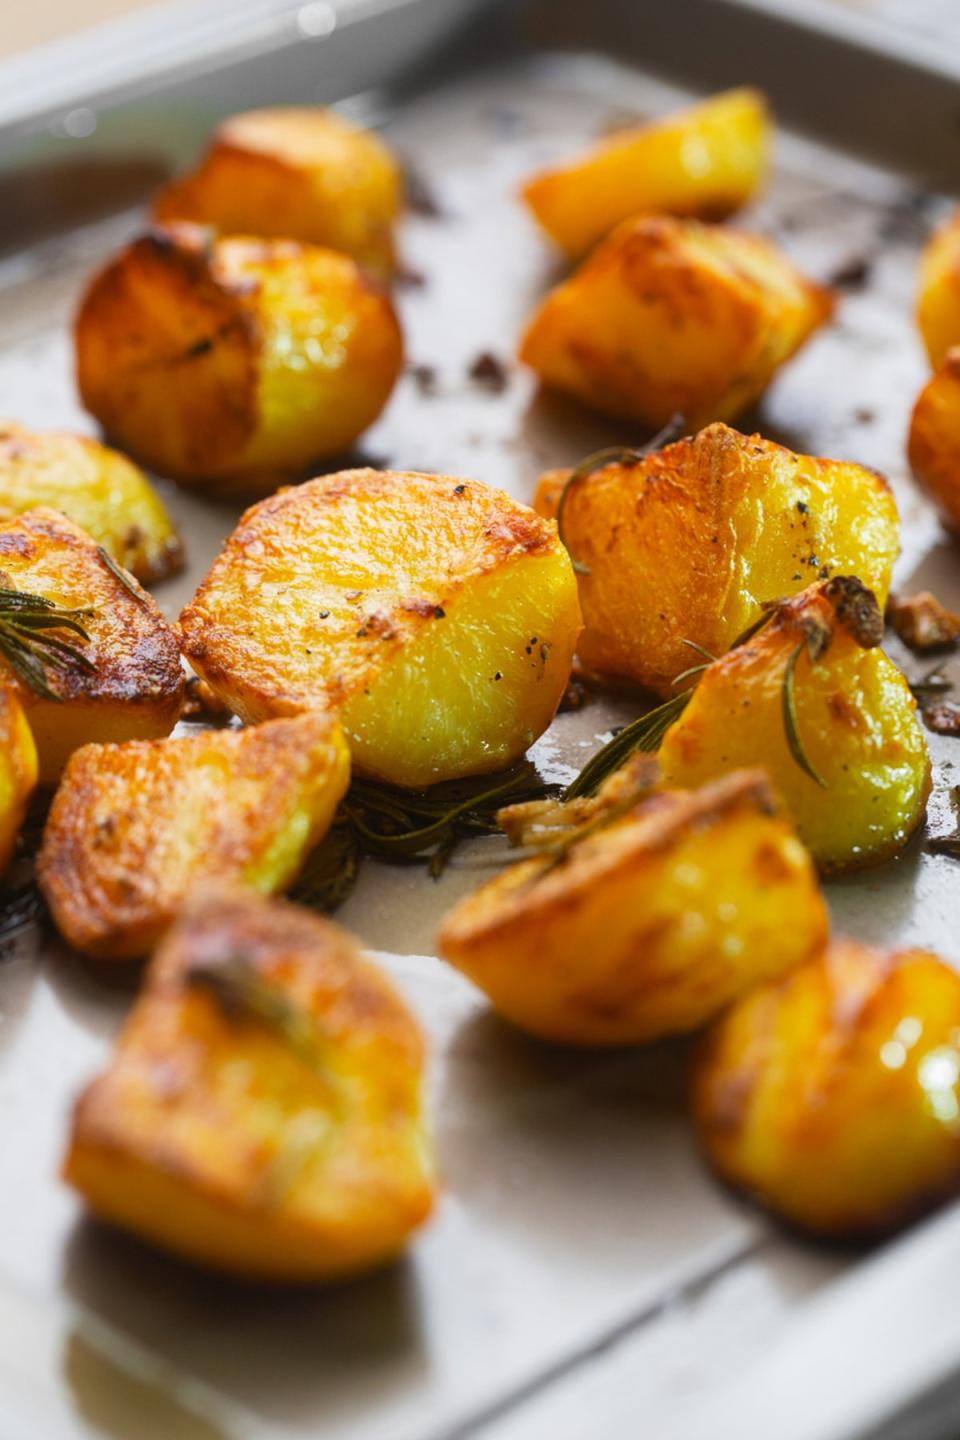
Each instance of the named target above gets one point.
<point>864,416</point>
<point>324,614</point>
<point>942,719</point>
<point>851,274</point>
<point>922,622</point>
<point>856,609</point>
<point>424,377</point>
<point>198,348</point>
<point>499,675</point>
<point>459,489</point>
<point>803,507</point>
<point>490,372</point>
<point>408,277</point>
<point>201,704</point>
<point>945,845</point>
<point>420,195</point>
<point>577,695</point>
<point>439,613</point>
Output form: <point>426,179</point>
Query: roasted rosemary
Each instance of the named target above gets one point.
<point>28,645</point>
<point>242,993</point>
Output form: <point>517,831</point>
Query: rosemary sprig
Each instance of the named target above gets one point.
<point>27,645</point>
<point>643,734</point>
<point>118,573</point>
<point>242,993</point>
<point>788,699</point>
<point>615,455</point>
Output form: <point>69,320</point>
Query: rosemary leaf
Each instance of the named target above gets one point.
<point>331,870</point>
<point>791,728</point>
<point>27,646</point>
<point>241,992</point>
<point>643,734</point>
<point>118,573</point>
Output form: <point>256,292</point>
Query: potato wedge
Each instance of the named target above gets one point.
<point>18,771</point>
<point>234,362</point>
<point>938,301</point>
<point>298,173</point>
<point>673,317</point>
<point>438,616</point>
<point>648,926</point>
<point>685,546</point>
<point>812,701</point>
<point>133,826</point>
<point>705,161</point>
<point>262,1112</point>
<point>934,444</point>
<point>127,681</point>
<point>832,1094</point>
<point>98,488</point>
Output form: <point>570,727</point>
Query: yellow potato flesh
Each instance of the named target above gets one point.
<point>705,161</point>
<point>832,1094</point>
<point>436,616</point>
<point>18,771</point>
<point>857,723</point>
<point>672,317</point>
<point>133,826</point>
<point>98,488</point>
<point>650,926</point>
<point>293,1151</point>
<point>687,545</point>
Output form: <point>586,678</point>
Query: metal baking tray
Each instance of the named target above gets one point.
<point>583,1276</point>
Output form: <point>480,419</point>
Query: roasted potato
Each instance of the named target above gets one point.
<point>705,161</point>
<point>647,926</point>
<point>673,317</point>
<point>438,617</point>
<point>832,1092</point>
<point>124,681</point>
<point>133,826</point>
<point>934,445</point>
<point>18,771</point>
<point>98,488</point>
<point>262,1112</point>
<point>815,703</point>
<point>685,545</point>
<point>297,172</point>
<point>938,303</point>
<point>234,362</point>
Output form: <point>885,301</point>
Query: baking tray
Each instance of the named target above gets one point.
<point>582,1270</point>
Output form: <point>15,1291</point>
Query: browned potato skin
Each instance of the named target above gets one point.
<point>18,771</point>
<point>934,444</point>
<point>297,172</point>
<point>685,546</point>
<point>133,826</point>
<point>598,950</point>
<point>938,301</point>
<point>135,689</point>
<point>197,1136</point>
<point>816,1092</point>
<point>671,317</point>
<point>236,362</point>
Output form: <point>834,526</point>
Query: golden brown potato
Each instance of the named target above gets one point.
<point>18,771</point>
<point>234,361</point>
<point>262,1112</point>
<point>938,302</point>
<point>812,701</point>
<point>438,617</point>
<point>832,1093</point>
<point>647,926</point>
<point>687,544</point>
<point>98,488</point>
<point>124,681</point>
<point>670,316</point>
<point>705,161</point>
<point>934,445</point>
<point>296,172</point>
<point>133,826</point>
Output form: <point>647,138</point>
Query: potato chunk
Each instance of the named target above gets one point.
<point>934,445</point>
<point>938,302</point>
<point>647,926</point>
<point>295,172</point>
<point>438,616</point>
<point>128,681</point>
<point>832,1093</point>
<point>705,161</point>
<point>234,361</point>
<point>98,488</point>
<point>132,826</point>
<point>686,545</point>
<point>850,761</point>
<point>670,316</point>
<point>262,1112</point>
<point>18,771</point>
